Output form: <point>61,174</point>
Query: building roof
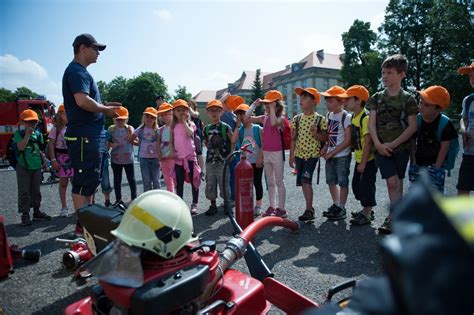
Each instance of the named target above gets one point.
<point>204,96</point>
<point>315,59</point>
<point>245,81</point>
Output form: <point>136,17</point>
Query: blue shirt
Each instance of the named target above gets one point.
<point>81,123</point>
<point>229,118</point>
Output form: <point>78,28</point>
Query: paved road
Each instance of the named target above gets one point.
<point>311,261</point>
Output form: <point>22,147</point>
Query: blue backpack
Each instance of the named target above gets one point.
<point>453,143</point>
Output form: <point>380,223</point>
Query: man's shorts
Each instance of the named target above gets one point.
<point>394,165</point>
<point>86,158</point>
<point>466,171</point>
<point>337,170</point>
<point>305,170</point>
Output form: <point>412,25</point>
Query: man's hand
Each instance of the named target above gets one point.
<point>55,165</point>
<point>327,156</point>
<point>110,110</point>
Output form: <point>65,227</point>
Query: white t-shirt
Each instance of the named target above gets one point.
<point>336,132</point>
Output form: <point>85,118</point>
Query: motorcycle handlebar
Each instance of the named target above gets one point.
<point>257,226</point>
<point>235,247</point>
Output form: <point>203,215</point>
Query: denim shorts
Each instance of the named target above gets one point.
<point>305,170</point>
<point>86,158</point>
<point>337,170</point>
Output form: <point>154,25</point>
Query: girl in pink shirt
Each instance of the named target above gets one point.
<point>165,146</point>
<point>272,147</point>
<point>186,165</point>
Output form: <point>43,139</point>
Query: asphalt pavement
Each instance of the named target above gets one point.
<point>310,261</point>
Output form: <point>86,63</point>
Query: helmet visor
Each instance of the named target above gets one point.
<point>118,264</point>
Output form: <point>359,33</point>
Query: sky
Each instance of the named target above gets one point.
<point>203,45</point>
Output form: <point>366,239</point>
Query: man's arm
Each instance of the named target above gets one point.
<point>381,148</point>
<point>443,151</point>
<point>87,103</point>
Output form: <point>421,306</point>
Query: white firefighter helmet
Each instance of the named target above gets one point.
<point>158,221</point>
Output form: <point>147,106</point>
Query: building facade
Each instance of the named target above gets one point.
<point>318,69</point>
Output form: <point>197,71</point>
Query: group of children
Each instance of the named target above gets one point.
<point>380,130</point>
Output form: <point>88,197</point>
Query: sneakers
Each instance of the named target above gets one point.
<point>257,211</point>
<point>361,219</point>
<point>356,213</point>
<point>211,211</point>
<point>25,219</point>
<point>308,215</point>
<point>270,212</point>
<point>386,227</point>
<point>64,212</point>
<point>107,203</point>
<point>281,213</point>
<point>338,213</point>
<point>40,216</point>
<point>194,209</point>
<point>332,208</point>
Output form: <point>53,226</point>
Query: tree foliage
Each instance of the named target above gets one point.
<point>361,61</point>
<point>257,91</point>
<point>6,95</point>
<point>437,37</point>
<point>182,93</point>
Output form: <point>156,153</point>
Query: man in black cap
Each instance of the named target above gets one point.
<point>85,134</point>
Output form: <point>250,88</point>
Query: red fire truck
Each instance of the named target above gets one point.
<point>9,119</point>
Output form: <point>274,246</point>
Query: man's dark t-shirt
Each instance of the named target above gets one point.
<point>427,143</point>
<point>81,123</point>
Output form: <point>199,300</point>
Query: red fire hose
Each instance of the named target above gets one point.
<point>256,226</point>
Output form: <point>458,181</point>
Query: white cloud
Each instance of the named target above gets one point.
<point>164,15</point>
<point>16,73</point>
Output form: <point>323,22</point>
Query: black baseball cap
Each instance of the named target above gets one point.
<point>88,40</point>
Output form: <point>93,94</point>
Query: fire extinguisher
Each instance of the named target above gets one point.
<point>244,191</point>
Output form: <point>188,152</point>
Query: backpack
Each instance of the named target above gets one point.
<point>285,134</point>
<point>6,259</point>
<point>129,131</point>
<point>12,153</point>
<point>466,103</point>
<point>356,137</point>
<point>454,146</point>
<point>256,136</point>
<point>12,150</point>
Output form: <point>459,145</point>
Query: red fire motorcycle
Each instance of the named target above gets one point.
<point>156,266</point>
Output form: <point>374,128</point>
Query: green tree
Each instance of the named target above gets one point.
<point>361,62</point>
<point>25,91</point>
<point>158,84</point>
<point>451,46</point>
<point>257,92</point>
<point>437,37</point>
<point>6,95</point>
<point>103,90</point>
<point>117,90</point>
<point>182,93</point>
<point>141,93</point>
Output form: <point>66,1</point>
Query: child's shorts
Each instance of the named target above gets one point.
<point>337,170</point>
<point>394,165</point>
<point>86,158</point>
<point>466,171</point>
<point>436,175</point>
<point>305,170</point>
